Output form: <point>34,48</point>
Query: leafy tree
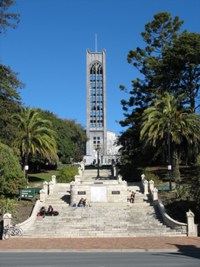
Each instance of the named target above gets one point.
<point>167,122</point>
<point>7,19</point>
<point>70,137</point>
<point>36,136</point>
<point>78,139</point>
<point>169,62</point>
<point>9,83</point>
<point>11,175</point>
<point>9,104</point>
<point>182,64</point>
<point>160,34</point>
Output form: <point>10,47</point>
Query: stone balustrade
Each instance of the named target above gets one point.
<point>47,189</point>
<point>190,228</point>
<point>170,221</point>
<point>7,218</point>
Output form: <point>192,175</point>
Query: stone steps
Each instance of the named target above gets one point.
<point>100,219</point>
<point>98,222</point>
<point>93,233</point>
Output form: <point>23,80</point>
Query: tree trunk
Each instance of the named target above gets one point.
<point>175,166</point>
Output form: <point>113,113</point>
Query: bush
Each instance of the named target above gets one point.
<point>130,173</point>
<point>198,160</point>
<point>151,176</point>
<point>7,205</point>
<point>183,191</point>
<point>195,189</point>
<point>11,175</point>
<point>66,174</point>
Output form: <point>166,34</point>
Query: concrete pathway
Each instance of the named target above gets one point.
<point>102,244</point>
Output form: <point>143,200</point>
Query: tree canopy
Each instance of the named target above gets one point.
<point>168,123</point>
<point>7,19</point>
<point>9,82</point>
<point>168,62</point>
<point>36,136</point>
<point>10,101</point>
<point>70,137</point>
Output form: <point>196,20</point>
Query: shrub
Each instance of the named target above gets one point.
<point>66,174</point>
<point>7,205</point>
<point>195,189</point>
<point>182,191</point>
<point>11,175</point>
<point>198,160</point>
<point>151,176</point>
<point>130,173</point>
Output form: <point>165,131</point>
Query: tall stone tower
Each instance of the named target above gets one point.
<point>96,107</point>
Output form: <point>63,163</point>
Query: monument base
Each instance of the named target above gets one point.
<point>113,191</point>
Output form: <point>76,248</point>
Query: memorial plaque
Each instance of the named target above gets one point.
<point>81,193</point>
<point>115,192</point>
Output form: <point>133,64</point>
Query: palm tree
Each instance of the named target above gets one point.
<point>36,136</point>
<point>168,122</point>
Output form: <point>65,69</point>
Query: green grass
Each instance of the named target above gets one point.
<point>37,179</point>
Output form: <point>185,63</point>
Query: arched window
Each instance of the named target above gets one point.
<point>96,69</point>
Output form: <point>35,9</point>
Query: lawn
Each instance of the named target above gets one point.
<point>37,179</point>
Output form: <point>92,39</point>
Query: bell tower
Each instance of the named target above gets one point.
<point>96,106</point>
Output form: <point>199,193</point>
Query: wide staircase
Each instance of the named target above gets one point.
<point>98,220</point>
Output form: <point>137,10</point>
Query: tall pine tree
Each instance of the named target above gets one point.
<point>169,62</point>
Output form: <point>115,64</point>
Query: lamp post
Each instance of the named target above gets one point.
<point>26,167</point>
<point>169,167</point>
<point>98,150</point>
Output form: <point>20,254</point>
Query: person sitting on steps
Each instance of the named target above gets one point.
<point>85,203</point>
<point>132,198</point>
<point>81,203</point>
<point>50,210</point>
<point>42,211</point>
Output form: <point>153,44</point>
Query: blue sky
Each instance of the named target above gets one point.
<point>48,49</point>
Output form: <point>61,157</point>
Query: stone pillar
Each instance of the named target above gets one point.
<point>114,171</point>
<point>77,179</point>
<point>192,227</point>
<point>42,195</point>
<point>53,179</point>
<point>145,184</point>
<point>82,166</point>
<point>120,179</point>
<point>151,185</point>
<point>79,171</point>
<point>51,186</point>
<point>142,177</point>
<point>155,194</point>
<point>7,220</point>
<point>117,171</point>
<point>73,194</point>
<point>46,187</point>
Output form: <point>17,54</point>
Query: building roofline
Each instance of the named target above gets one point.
<point>96,52</point>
